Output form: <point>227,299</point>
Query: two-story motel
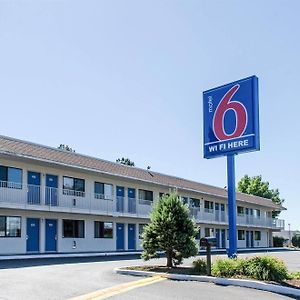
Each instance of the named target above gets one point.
<point>58,201</point>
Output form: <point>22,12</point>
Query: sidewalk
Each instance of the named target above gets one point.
<point>123,253</point>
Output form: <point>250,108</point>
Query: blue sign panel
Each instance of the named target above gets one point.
<point>231,123</point>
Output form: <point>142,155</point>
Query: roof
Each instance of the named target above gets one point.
<point>14,147</point>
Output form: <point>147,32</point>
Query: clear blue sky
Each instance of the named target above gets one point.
<point>125,78</point>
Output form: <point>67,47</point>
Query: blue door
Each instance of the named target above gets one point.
<point>120,236</point>
<point>217,211</point>
<point>222,206</point>
<point>33,235</point>
<point>51,190</point>
<point>51,235</point>
<point>131,201</point>
<point>223,238</point>
<point>251,239</point>
<point>34,182</point>
<point>131,236</point>
<point>247,238</point>
<point>120,198</point>
<point>218,237</point>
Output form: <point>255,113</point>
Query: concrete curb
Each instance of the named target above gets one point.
<point>124,253</point>
<point>67,255</point>
<point>253,284</point>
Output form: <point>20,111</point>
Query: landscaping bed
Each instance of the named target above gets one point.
<point>262,268</point>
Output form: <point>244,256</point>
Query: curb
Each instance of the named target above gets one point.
<point>253,284</point>
<point>67,255</point>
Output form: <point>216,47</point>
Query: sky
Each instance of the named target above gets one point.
<point>125,78</point>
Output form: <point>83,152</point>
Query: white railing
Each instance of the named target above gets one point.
<point>15,195</point>
<point>48,198</point>
<point>220,217</point>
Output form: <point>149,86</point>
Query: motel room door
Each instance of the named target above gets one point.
<point>33,235</point>
<point>120,237</point>
<point>51,235</point>
<point>131,236</point>
<point>34,182</point>
<point>51,189</point>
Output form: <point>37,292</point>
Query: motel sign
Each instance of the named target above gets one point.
<point>231,126</point>
<point>231,118</point>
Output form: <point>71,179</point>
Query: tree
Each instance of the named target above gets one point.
<point>255,186</point>
<point>125,161</point>
<point>296,240</point>
<point>170,230</point>
<point>65,148</point>
<point>278,241</point>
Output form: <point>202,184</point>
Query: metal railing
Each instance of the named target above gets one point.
<point>50,198</point>
<point>220,217</point>
<point>15,195</point>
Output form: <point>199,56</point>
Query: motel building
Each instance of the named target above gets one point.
<point>55,201</point>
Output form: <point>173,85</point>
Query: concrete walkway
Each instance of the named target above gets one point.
<point>125,253</point>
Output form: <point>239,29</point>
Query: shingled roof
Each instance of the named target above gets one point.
<point>14,147</point>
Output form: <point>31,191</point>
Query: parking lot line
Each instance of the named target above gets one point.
<point>118,289</point>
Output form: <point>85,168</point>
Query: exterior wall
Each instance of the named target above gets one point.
<point>89,215</point>
<point>17,245</point>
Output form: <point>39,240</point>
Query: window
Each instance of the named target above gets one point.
<point>240,210</point>
<point>10,177</point>
<point>73,228</point>
<point>185,200</point>
<point>145,197</point>
<point>141,230</point>
<point>163,194</point>
<point>257,235</point>
<point>10,226</point>
<point>256,213</point>
<point>103,230</point>
<point>194,203</point>
<point>103,191</point>
<point>209,232</point>
<point>208,206</point>
<point>198,235</point>
<point>73,186</point>
<point>241,235</point>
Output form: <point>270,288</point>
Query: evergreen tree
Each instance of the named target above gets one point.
<point>170,230</point>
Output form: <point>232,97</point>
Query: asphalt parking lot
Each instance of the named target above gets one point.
<point>66,278</point>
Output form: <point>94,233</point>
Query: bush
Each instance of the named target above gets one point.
<point>267,268</point>
<point>200,266</point>
<point>295,275</point>
<point>278,241</point>
<point>228,267</point>
<point>296,241</point>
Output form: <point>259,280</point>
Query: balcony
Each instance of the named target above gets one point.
<point>35,197</point>
<point>220,217</point>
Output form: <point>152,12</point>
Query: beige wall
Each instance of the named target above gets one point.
<point>89,243</point>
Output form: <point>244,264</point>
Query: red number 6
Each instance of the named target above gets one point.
<point>240,116</point>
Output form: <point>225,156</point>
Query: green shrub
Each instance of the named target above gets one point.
<point>267,268</point>
<point>295,275</point>
<point>278,241</point>
<point>200,266</point>
<point>228,267</point>
<point>296,240</point>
